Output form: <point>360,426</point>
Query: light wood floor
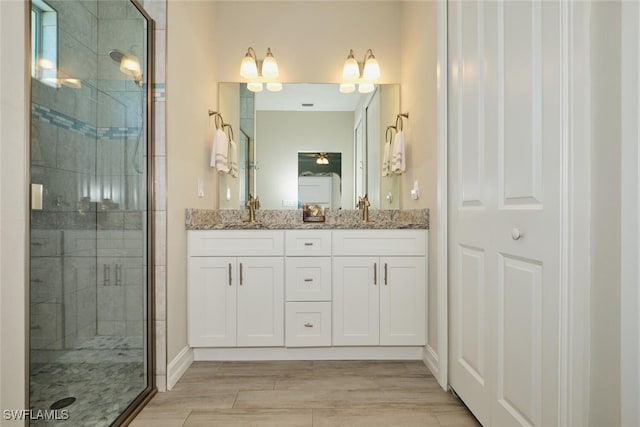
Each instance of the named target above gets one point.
<point>306,393</point>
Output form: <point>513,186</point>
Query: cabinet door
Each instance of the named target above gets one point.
<point>356,301</point>
<point>212,302</point>
<point>261,302</point>
<point>402,301</point>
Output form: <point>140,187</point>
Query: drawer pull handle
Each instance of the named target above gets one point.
<point>375,273</point>
<point>385,274</point>
<point>229,274</point>
<point>240,274</point>
<point>308,279</point>
<point>308,244</point>
<point>308,325</point>
<point>36,243</point>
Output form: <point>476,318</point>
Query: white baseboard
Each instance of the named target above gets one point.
<point>315,353</point>
<point>430,359</point>
<point>178,366</point>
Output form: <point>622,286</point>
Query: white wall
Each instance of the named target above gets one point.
<point>310,39</point>
<point>191,91</point>
<point>281,134</point>
<point>13,204</point>
<point>605,214</point>
<point>419,98</point>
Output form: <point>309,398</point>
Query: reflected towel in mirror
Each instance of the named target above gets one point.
<point>233,158</point>
<point>386,159</point>
<point>398,165</point>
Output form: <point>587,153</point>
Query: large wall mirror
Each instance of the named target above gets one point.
<point>274,130</point>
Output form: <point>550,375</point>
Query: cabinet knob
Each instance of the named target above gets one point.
<point>308,325</point>
<point>516,234</point>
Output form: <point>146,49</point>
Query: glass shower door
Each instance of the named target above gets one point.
<point>89,281</point>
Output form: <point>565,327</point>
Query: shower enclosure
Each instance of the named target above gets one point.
<point>90,284</point>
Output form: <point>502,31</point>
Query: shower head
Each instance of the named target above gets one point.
<point>129,64</point>
<point>116,55</point>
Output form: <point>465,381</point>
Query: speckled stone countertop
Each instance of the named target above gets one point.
<point>233,219</point>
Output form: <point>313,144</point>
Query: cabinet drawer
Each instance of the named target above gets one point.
<point>308,279</point>
<point>308,242</point>
<point>235,243</point>
<point>308,324</point>
<point>379,242</point>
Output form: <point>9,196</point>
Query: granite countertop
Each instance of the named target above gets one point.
<point>233,219</point>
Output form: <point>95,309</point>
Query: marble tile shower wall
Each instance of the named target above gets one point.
<point>87,150</point>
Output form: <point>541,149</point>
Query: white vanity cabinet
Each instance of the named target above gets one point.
<point>307,293</point>
<point>236,288</point>
<point>379,300</point>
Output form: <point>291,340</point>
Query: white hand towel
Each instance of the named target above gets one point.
<point>386,159</point>
<point>220,151</point>
<point>398,165</point>
<point>233,158</point>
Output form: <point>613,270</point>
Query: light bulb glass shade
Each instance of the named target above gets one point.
<point>351,69</point>
<point>254,86</point>
<point>274,86</point>
<point>322,159</point>
<point>371,71</point>
<point>366,87</point>
<point>248,67</point>
<point>270,66</point>
<point>347,87</point>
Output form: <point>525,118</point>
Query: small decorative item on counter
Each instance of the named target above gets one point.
<point>312,213</point>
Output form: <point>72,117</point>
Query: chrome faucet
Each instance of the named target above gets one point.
<point>252,204</point>
<point>363,205</point>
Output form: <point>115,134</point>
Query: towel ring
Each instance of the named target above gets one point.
<point>390,132</point>
<point>399,121</point>
<point>226,125</point>
<point>218,121</point>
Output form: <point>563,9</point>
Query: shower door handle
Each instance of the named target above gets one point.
<point>106,275</point>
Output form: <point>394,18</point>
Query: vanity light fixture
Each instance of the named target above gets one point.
<point>257,71</point>
<point>351,73</point>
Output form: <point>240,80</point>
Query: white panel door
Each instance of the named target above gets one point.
<point>356,301</point>
<point>260,302</point>
<point>402,301</point>
<point>212,302</point>
<point>504,209</point>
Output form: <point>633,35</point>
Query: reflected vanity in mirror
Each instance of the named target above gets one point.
<point>282,133</point>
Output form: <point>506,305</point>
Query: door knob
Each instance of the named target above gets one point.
<point>516,234</point>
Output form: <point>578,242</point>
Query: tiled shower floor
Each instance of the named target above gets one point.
<point>104,374</point>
